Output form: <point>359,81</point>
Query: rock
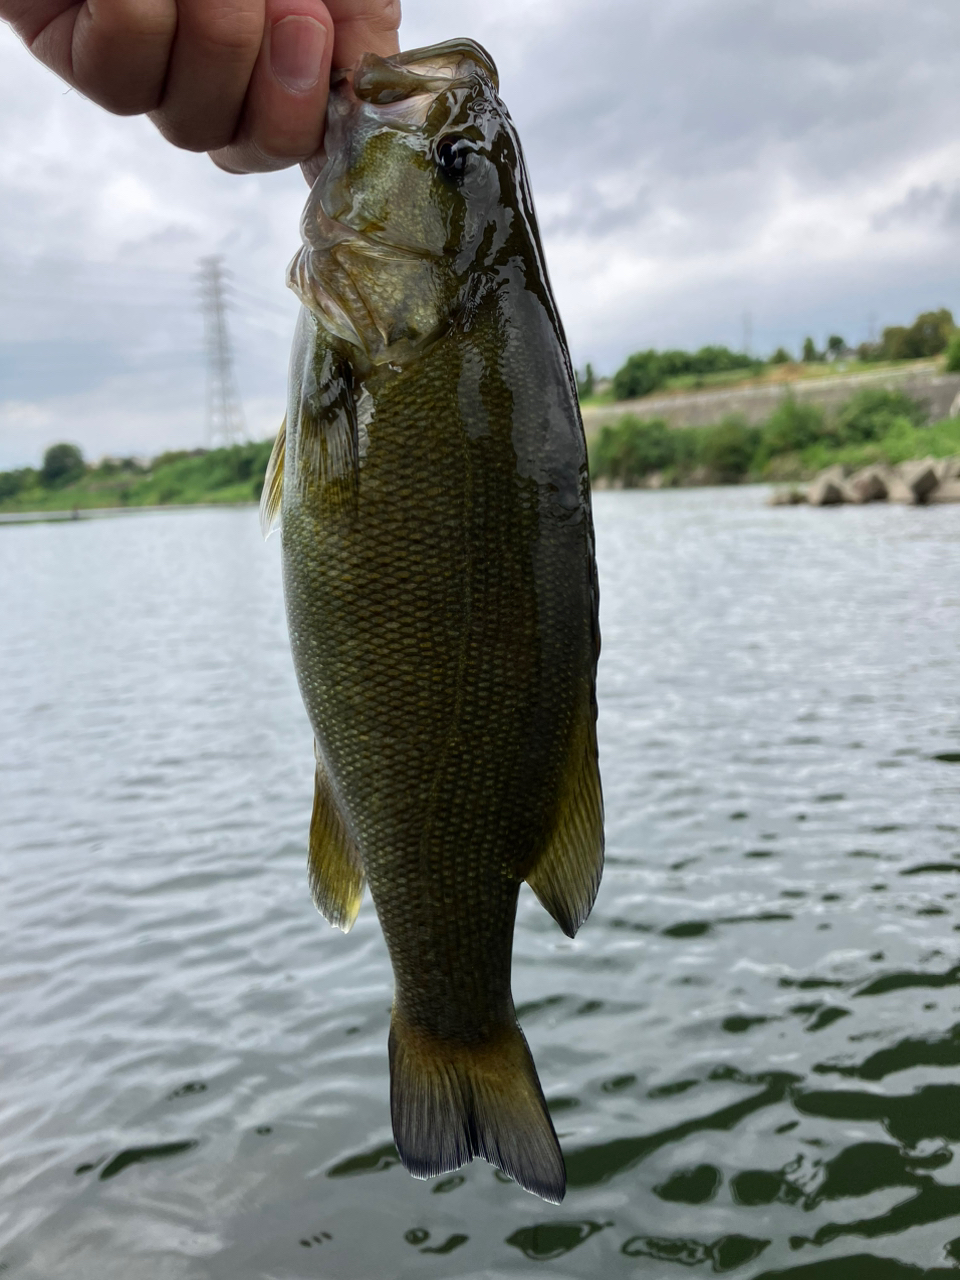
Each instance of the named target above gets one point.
<point>787,498</point>
<point>919,479</point>
<point>829,489</point>
<point>946,491</point>
<point>869,484</point>
<point>948,469</point>
<point>897,488</point>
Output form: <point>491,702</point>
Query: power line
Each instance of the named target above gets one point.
<point>225,423</point>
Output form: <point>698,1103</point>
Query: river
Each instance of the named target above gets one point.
<point>750,1051</point>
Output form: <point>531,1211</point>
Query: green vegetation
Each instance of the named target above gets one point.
<point>927,336</point>
<point>645,371</point>
<point>931,334</point>
<point>795,442</point>
<point>62,463</point>
<point>65,482</point>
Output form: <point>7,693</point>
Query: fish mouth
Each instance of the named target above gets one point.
<point>327,272</point>
<point>419,72</point>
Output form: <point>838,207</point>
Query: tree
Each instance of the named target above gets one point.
<point>637,376</point>
<point>61,464</point>
<point>585,382</point>
<point>781,356</point>
<point>810,353</point>
<point>836,347</point>
<point>953,352</point>
<point>927,336</point>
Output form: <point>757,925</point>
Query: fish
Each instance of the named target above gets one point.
<point>430,484</point>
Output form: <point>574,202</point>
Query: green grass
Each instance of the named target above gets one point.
<point>902,442</point>
<point>227,475</point>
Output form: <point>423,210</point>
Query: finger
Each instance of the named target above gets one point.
<point>286,103</point>
<point>213,57</point>
<point>114,51</point>
<point>364,26</point>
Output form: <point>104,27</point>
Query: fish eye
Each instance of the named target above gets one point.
<point>451,153</point>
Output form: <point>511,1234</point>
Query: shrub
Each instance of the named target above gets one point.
<point>632,448</point>
<point>791,426</point>
<point>644,371</point>
<point>781,356</point>
<point>61,464</point>
<point>720,360</point>
<point>727,449</point>
<point>953,352</point>
<point>871,413</point>
<point>14,482</point>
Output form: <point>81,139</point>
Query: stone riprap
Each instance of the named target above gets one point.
<point>914,483</point>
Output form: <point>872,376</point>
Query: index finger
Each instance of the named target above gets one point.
<point>364,26</point>
<point>360,26</point>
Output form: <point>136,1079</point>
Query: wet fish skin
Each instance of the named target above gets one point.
<point>440,587</point>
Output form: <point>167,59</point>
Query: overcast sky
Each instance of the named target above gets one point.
<point>696,165</point>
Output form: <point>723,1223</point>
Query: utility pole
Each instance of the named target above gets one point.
<point>225,424</point>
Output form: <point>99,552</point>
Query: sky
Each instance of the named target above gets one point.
<point>705,171</point>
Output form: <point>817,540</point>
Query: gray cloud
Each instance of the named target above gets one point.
<point>691,162</point>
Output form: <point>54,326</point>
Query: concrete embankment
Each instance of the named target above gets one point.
<point>940,392</point>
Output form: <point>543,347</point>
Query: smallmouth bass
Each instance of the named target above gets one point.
<point>431,487</point>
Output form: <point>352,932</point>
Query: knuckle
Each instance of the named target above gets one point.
<point>228,28</point>
<point>145,25</point>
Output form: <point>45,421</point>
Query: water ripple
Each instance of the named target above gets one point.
<point>750,1051</point>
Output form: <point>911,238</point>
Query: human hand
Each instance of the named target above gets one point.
<point>245,80</point>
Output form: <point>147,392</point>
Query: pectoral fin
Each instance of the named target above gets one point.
<point>566,876</point>
<point>272,494</point>
<point>336,871</point>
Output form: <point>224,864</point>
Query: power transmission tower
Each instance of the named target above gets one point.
<point>225,423</point>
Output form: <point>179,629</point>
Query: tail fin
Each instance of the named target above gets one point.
<point>451,1102</point>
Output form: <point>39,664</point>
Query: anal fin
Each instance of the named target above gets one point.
<point>566,875</point>
<point>335,868</point>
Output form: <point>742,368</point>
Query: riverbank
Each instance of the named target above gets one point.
<point>202,477</point>
<point>875,427</point>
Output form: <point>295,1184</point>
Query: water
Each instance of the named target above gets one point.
<point>750,1051</point>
